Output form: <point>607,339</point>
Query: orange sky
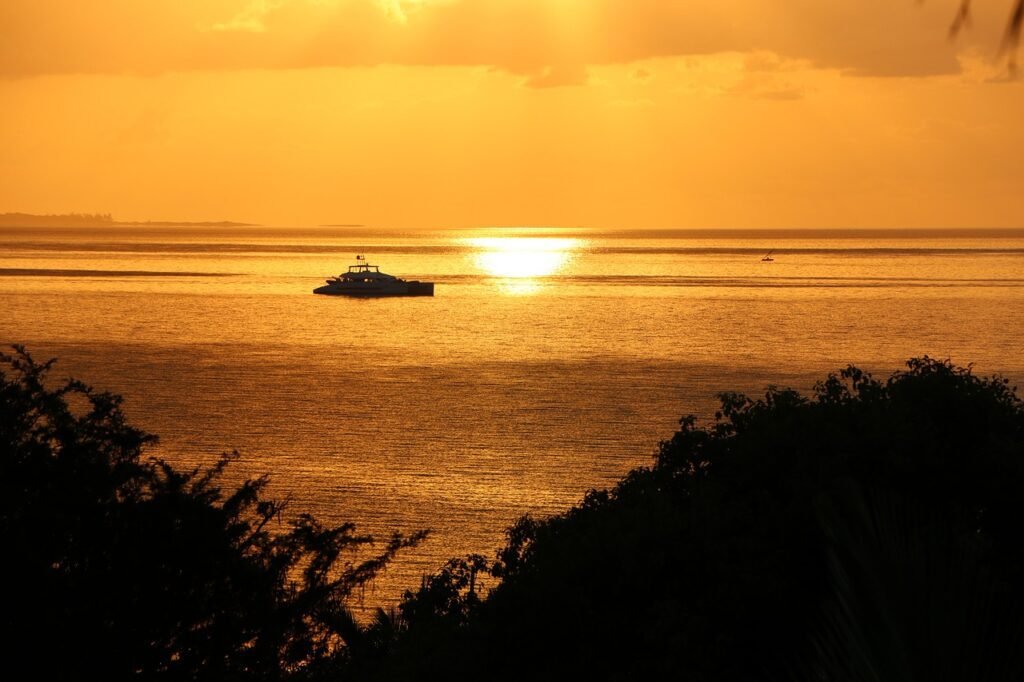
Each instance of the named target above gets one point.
<point>606,113</point>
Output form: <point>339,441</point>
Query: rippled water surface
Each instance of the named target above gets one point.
<point>549,361</point>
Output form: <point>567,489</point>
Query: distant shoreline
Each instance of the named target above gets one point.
<point>77,221</point>
<point>102,220</point>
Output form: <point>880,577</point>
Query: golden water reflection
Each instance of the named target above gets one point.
<point>522,261</point>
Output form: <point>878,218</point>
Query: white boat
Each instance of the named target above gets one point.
<point>363,279</point>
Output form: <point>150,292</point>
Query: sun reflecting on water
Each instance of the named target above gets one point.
<point>522,260</point>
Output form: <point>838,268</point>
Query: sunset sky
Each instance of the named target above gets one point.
<point>604,113</point>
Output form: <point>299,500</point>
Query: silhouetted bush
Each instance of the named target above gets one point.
<point>115,565</point>
<point>871,531</point>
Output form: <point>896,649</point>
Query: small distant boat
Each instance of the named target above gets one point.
<point>363,279</point>
<point>768,257</point>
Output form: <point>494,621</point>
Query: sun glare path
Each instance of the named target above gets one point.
<point>522,258</point>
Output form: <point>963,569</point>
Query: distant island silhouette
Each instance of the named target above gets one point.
<point>101,220</point>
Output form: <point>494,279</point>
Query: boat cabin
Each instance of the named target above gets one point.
<point>366,273</point>
<point>363,267</point>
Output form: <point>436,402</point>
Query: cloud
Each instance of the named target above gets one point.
<point>768,76</point>
<point>558,77</point>
<point>250,19</point>
<point>396,9</point>
<point>534,38</point>
<point>786,94</point>
<point>760,61</point>
<point>641,75</point>
<point>631,103</point>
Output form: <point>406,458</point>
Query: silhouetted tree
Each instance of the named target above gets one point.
<point>871,531</point>
<point>438,612</point>
<point>116,565</point>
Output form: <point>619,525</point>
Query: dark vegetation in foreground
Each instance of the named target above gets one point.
<point>871,531</point>
<point>118,566</point>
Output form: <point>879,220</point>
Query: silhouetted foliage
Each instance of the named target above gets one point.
<point>438,612</point>
<point>117,565</point>
<point>871,531</point>
<point>1011,38</point>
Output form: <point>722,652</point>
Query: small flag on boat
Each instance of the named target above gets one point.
<point>360,257</point>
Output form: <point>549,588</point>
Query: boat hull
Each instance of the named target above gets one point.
<point>406,289</point>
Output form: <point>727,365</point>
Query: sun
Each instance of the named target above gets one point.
<point>522,257</point>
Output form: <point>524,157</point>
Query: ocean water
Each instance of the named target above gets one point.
<point>549,362</point>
